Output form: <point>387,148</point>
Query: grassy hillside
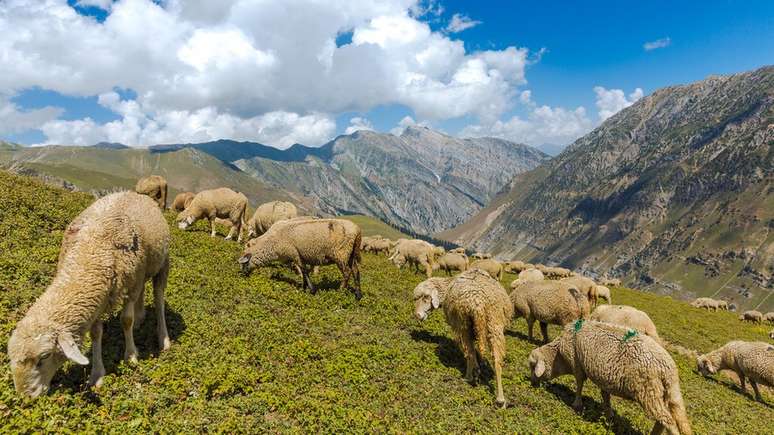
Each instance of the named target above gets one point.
<point>255,354</point>
<point>372,226</point>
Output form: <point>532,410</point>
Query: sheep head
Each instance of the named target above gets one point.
<point>705,365</point>
<point>185,219</point>
<point>256,254</point>
<point>546,363</point>
<point>36,354</point>
<point>428,296</point>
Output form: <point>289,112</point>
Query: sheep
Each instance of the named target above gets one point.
<point>452,261</point>
<point>553,302</point>
<point>749,360</point>
<point>182,201</point>
<point>415,252</point>
<point>586,285</point>
<point>154,186</point>
<point>376,245</point>
<point>458,251</point>
<point>514,266</point>
<point>481,256</point>
<point>769,317</point>
<point>643,371</point>
<point>752,316</point>
<point>267,214</point>
<point>602,292</point>
<point>531,275</point>
<point>221,203</point>
<point>315,242</point>
<point>627,316</point>
<point>611,282</point>
<point>477,309</point>
<point>493,267</point>
<point>722,305</point>
<point>705,303</point>
<point>108,253</point>
<point>556,272</point>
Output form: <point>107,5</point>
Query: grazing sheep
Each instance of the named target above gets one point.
<point>414,252</point>
<point>749,360</point>
<point>182,201</point>
<point>377,245</point>
<point>108,253</point>
<point>643,371</point>
<point>458,251</point>
<point>453,262</point>
<point>553,302</point>
<point>751,316</point>
<point>722,305</point>
<point>586,285</point>
<point>705,303</point>
<point>556,272</point>
<point>221,203</point>
<point>625,315</point>
<point>602,292</point>
<point>515,266</point>
<point>493,267</point>
<point>303,243</point>
<point>529,275</point>
<point>481,256</point>
<point>267,214</point>
<point>611,282</point>
<point>154,186</point>
<point>477,309</point>
<point>769,317</point>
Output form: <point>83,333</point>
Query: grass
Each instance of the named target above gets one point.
<point>255,354</point>
<point>372,226</point>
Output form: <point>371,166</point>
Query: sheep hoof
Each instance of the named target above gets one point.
<point>95,380</point>
<point>166,344</point>
<point>502,403</point>
<point>132,359</point>
<point>578,406</point>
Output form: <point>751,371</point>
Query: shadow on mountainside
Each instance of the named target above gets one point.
<point>592,410</point>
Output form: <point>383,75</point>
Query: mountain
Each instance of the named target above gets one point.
<point>110,145</point>
<point>551,149</point>
<point>674,193</point>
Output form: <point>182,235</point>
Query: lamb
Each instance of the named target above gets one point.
<point>531,275</point>
<point>493,267</point>
<point>182,201</point>
<point>769,317</point>
<point>643,371</point>
<point>415,252</point>
<point>553,302</point>
<point>602,292</point>
<point>627,316</point>
<point>586,285</point>
<point>108,253</point>
<point>452,261</point>
<point>752,316</point>
<point>154,186</point>
<point>477,309</point>
<point>749,360</point>
<point>267,214</point>
<point>221,203</point>
<point>313,242</point>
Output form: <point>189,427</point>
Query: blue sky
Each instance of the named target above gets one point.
<point>182,83</point>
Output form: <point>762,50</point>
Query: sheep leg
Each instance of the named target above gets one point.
<point>346,271</point>
<point>159,286</point>
<point>471,359</point>
<point>212,227</point>
<point>231,232</point>
<point>497,354</point>
<point>139,309</point>
<point>606,404</point>
<point>356,271</point>
<point>428,270</point>
<point>755,389</point>
<point>742,383</point>
<point>97,367</point>
<point>580,378</point>
<point>544,331</point>
<point>300,270</point>
<point>127,322</point>
<point>530,324</point>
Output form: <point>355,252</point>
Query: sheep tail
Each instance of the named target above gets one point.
<point>355,256</point>
<point>482,331</point>
<point>674,399</point>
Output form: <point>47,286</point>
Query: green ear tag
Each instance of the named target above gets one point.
<point>578,325</point>
<point>629,334</point>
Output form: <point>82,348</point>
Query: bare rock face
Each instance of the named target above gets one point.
<point>675,193</point>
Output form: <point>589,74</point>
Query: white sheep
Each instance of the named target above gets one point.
<point>453,262</point>
<point>481,256</point>
<point>586,285</point>
<point>414,252</point>
<point>769,317</point>
<point>627,316</point>
<point>303,243</point>
<point>752,316</point>
<point>706,303</point>
<point>267,214</point>
<point>221,203</point>
<point>477,309</point>
<point>493,267</point>
<point>154,186</point>
<point>528,275</point>
<point>548,302</point>
<point>182,200</point>
<point>108,253</point>
<point>621,363</point>
<point>749,360</point>
<point>602,292</point>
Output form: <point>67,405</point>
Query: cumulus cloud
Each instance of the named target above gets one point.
<point>658,43</point>
<point>407,121</point>
<point>611,101</point>
<point>15,120</point>
<point>243,60</point>
<point>460,22</point>
<point>357,123</point>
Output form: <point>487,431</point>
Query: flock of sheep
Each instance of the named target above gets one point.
<point>121,241</point>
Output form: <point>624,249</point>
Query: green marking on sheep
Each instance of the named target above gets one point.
<point>629,334</point>
<point>578,325</point>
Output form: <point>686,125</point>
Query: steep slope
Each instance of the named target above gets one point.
<point>674,192</point>
<point>422,179</point>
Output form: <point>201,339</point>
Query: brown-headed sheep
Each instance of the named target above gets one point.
<point>303,243</point>
<point>267,214</point>
<point>221,203</point>
<point>553,302</point>
<point>108,253</point>
<point>453,262</point>
<point>493,267</point>
<point>752,316</point>
<point>643,371</point>
<point>477,309</point>
<point>182,200</point>
<point>154,186</point>
<point>627,316</point>
<point>749,360</point>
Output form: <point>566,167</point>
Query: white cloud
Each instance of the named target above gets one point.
<point>407,121</point>
<point>611,101</point>
<point>357,123</point>
<point>15,120</point>
<point>102,4</point>
<point>658,43</point>
<point>460,22</point>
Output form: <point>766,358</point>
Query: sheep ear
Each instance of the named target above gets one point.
<point>540,368</point>
<point>70,349</point>
<point>434,299</point>
<point>244,259</point>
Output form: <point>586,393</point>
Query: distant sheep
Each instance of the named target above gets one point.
<point>752,316</point>
<point>493,267</point>
<point>154,186</point>
<point>708,304</point>
<point>313,242</point>
<point>417,253</point>
<point>514,266</point>
<point>529,275</point>
<point>556,272</point>
<point>377,245</point>
<point>611,282</point>
<point>267,214</point>
<point>458,251</point>
<point>769,317</point>
<point>108,253</point>
<point>586,285</point>
<point>221,203</point>
<point>182,200</point>
<point>548,302</point>
<point>453,262</point>
<point>642,370</point>
<point>602,292</point>
<point>477,309</point>
<point>627,316</point>
<point>749,360</point>
<point>481,256</point>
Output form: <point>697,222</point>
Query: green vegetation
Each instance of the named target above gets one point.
<point>255,354</point>
<point>372,226</point>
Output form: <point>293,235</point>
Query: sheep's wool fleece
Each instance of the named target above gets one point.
<point>475,294</point>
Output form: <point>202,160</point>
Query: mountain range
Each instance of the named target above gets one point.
<point>673,194</point>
